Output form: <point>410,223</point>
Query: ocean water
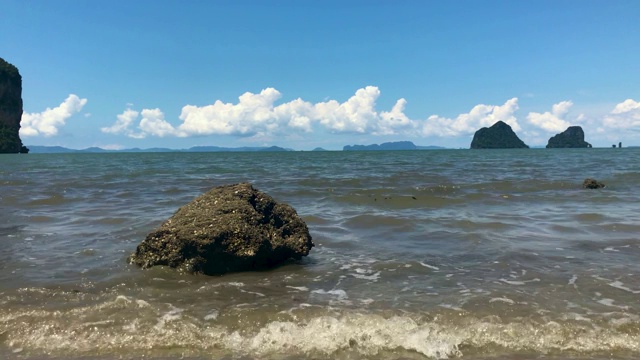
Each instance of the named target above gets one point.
<point>489,254</point>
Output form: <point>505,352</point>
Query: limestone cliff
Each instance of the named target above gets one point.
<point>10,109</point>
<point>573,137</point>
<point>498,136</point>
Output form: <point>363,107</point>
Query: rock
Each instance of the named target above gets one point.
<point>498,136</point>
<point>229,228</point>
<point>10,109</point>
<point>592,184</point>
<point>573,137</point>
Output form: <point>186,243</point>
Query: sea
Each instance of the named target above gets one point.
<point>433,254</point>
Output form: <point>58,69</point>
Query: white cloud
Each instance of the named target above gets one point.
<point>48,122</point>
<point>256,114</point>
<point>552,121</point>
<point>252,114</point>
<point>356,115</point>
<point>394,119</point>
<point>123,123</point>
<point>153,123</point>
<point>625,115</point>
<point>479,116</point>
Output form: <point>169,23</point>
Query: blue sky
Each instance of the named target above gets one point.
<point>305,74</point>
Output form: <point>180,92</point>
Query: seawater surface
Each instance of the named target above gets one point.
<point>496,254</point>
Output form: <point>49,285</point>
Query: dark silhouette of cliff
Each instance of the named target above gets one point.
<point>573,137</point>
<point>498,136</point>
<point>10,109</point>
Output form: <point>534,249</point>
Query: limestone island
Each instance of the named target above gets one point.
<point>498,136</point>
<point>573,137</point>
<point>10,109</point>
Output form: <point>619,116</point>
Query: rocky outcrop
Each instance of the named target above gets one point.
<point>498,136</point>
<point>592,184</point>
<point>229,228</point>
<point>573,137</point>
<point>10,109</point>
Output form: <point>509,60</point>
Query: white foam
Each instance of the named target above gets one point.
<point>518,282</point>
<point>450,306</point>
<point>373,277</point>
<point>299,288</point>
<point>252,292</point>
<point>123,298</point>
<point>142,303</point>
<point>212,315</point>
<point>429,266</point>
<point>173,314</point>
<point>502,299</point>
<point>360,335</point>
<point>339,294</point>
<point>620,285</point>
<point>512,282</point>
<point>573,279</point>
<point>609,302</point>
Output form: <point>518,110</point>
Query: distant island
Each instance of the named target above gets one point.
<point>498,136</point>
<point>35,149</point>
<point>573,137</point>
<point>401,145</point>
<point>398,145</point>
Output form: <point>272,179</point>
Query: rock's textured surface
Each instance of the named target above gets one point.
<point>592,184</point>
<point>10,109</point>
<point>498,136</point>
<point>229,228</point>
<point>573,137</point>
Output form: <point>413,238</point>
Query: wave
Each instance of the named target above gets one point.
<point>125,326</point>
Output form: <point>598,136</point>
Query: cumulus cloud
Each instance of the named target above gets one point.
<point>479,116</point>
<point>552,121</point>
<point>152,123</point>
<point>48,122</point>
<point>122,123</point>
<point>625,115</point>
<point>258,115</point>
<point>252,114</point>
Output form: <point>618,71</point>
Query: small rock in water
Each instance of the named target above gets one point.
<point>229,228</point>
<point>592,184</point>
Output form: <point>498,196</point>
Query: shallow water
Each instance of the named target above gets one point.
<point>428,254</point>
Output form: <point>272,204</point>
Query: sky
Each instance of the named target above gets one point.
<point>304,74</point>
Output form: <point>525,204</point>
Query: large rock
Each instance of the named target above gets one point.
<point>10,109</point>
<point>498,136</point>
<point>573,137</point>
<point>589,183</point>
<point>229,228</point>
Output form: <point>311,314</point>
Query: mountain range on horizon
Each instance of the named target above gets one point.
<point>399,145</point>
